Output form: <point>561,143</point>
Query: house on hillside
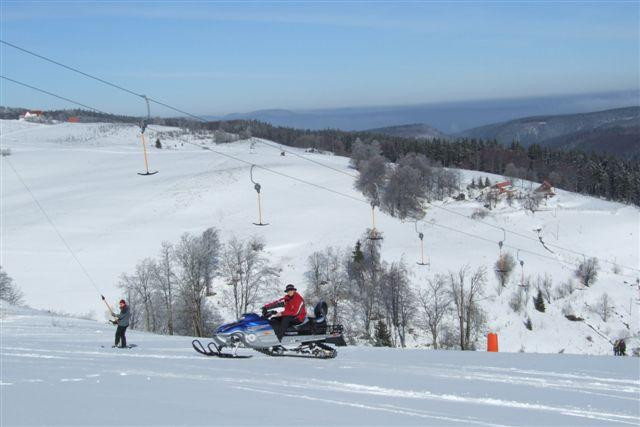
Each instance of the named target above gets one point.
<point>32,116</point>
<point>504,187</point>
<point>545,190</point>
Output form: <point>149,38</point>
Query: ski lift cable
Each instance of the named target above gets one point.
<point>53,225</point>
<point>88,75</point>
<point>279,173</point>
<point>293,153</point>
<point>298,180</point>
<point>149,99</point>
<point>319,186</point>
<point>53,94</point>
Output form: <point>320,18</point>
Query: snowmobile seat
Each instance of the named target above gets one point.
<point>311,325</point>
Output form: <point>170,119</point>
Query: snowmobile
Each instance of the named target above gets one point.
<point>311,338</point>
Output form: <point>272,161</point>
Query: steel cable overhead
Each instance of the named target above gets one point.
<point>357,199</point>
<point>116,86</point>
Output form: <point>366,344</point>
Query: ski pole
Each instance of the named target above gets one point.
<point>108,306</point>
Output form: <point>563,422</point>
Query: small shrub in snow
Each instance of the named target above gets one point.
<point>567,309</point>
<point>516,300</point>
<point>528,324</point>
<point>565,289</point>
<point>587,271</point>
<point>616,269</point>
<point>479,213</point>
<point>589,338</point>
<point>604,307</point>
<point>545,284</point>
<point>504,267</point>
<point>5,152</point>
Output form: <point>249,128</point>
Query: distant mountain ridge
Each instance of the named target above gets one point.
<point>416,130</point>
<point>615,131</point>
<point>448,117</point>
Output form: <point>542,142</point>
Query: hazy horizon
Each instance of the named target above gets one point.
<point>220,58</point>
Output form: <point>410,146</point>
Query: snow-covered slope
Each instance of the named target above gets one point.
<point>62,371</point>
<point>85,177</point>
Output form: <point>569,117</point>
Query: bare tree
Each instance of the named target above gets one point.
<point>164,280</point>
<point>364,270</point>
<point>504,267</point>
<point>604,307</point>
<point>398,300</point>
<point>434,303</point>
<point>587,271</point>
<point>465,294</point>
<point>9,292</point>
<point>246,274</point>
<point>197,257</point>
<point>140,286</point>
<point>328,281</point>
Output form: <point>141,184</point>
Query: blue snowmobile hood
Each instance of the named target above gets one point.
<point>247,320</point>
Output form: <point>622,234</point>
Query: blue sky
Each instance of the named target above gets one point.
<point>223,57</point>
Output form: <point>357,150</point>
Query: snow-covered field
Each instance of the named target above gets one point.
<point>85,177</point>
<point>62,371</point>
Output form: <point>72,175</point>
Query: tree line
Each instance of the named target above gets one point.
<point>600,175</point>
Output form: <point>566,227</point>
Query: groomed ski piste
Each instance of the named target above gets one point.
<point>62,371</point>
<point>85,176</point>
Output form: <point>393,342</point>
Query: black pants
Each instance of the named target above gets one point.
<point>280,324</point>
<point>120,330</point>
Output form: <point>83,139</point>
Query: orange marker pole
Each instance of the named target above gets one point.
<point>144,149</point>
<point>492,342</point>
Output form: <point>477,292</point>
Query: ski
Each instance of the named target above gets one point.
<point>215,352</point>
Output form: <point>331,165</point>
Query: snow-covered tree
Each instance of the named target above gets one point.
<point>246,274</point>
<point>8,290</point>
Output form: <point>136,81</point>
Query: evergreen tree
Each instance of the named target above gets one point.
<point>538,302</point>
<point>158,143</point>
<point>358,256</point>
<point>487,183</point>
<point>382,335</point>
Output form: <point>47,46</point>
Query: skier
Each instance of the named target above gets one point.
<point>122,320</point>
<point>616,348</point>
<point>294,311</point>
<point>622,348</point>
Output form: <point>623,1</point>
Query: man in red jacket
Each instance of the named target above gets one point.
<point>293,314</point>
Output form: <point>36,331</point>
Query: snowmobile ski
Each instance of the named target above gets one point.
<point>215,352</point>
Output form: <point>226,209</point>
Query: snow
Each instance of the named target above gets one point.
<point>62,371</point>
<point>85,177</point>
